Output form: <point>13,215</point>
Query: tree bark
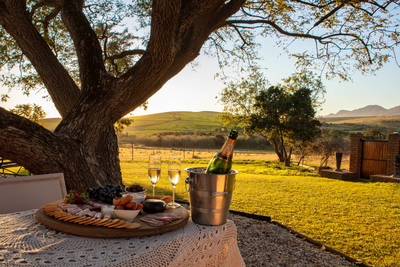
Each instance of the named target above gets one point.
<point>84,145</point>
<point>277,148</point>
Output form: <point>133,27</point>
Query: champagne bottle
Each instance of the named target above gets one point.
<point>221,163</point>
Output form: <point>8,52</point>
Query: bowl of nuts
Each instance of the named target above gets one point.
<point>135,188</point>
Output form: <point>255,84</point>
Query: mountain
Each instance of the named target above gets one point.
<point>368,111</point>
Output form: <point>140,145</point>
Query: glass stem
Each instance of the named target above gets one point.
<point>173,195</point>
<point>154,187</point>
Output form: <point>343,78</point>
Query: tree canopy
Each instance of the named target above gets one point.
<point>284,115</point>
<point>99,60</point>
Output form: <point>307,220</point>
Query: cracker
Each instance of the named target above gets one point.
<point>51,208</point>
<point>133,226</point>
<point>123,225</point>
<point>102,221</point>
<point>121,222</point>
<point>92,221</point>
<point>112,222</point>
<point>79,219</point>
<point>69,218</point>
<point>86,219</point>
<point>61,216</point>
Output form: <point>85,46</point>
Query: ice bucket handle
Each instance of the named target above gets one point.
<point>187,182</point>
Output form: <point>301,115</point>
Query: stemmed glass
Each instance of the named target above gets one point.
<point>174,175</point>
<point>154,170</point>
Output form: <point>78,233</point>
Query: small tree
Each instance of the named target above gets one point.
<point>282,115</point>
<point>329,143</point>
<point>32,112</point>
<point>287,116</point>
<point>375,133</point>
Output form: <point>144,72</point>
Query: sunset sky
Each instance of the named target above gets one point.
<point>195,90</point>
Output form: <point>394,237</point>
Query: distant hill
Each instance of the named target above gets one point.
<point>368,111</point>
<point>180,121</point>
<point>206,121</point>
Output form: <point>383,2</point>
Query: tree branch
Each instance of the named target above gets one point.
<point>57,80</point>
<point>28,143</point>
<point>301,35</point>
<point>126,53</point>
<point>86,43</point>
<point>333,11</point>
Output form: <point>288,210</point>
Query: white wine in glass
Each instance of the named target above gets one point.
<point>154,170</point>
<point>174,175</point>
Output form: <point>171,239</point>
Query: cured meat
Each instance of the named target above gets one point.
<point>108,215</point>
<point>99,215</point>
<point>83,212</point>
<point>96,204</point>
<point>67,206</point>
<point>91,214</point>
<point>73,210</point>
<point>159,219</point>
<point>85,206</point>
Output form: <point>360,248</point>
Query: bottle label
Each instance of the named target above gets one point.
<point>229,148</point>
<point>224,157</point>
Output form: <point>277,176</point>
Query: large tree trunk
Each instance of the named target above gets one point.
<point>84,145</point>
<point>41,151</point>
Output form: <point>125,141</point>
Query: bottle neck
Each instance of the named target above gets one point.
<point>226,151</point>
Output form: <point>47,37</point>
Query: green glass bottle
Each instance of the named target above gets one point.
<point>221,163</point>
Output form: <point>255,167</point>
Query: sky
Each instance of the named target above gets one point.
<point>196,89</point>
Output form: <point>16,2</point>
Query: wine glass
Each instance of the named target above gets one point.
<point>174,175</point>
<point>154,170</point>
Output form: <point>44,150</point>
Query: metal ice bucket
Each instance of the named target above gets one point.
<point>210,195</point>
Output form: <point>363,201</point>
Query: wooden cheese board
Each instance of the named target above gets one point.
<point>99,231</point>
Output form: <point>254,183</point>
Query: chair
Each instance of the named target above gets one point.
<point>7,165</point>
<point>30,192</point>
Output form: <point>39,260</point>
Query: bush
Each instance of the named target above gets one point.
<point>193,140</point>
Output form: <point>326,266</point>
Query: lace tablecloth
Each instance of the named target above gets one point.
<point>26,242</point>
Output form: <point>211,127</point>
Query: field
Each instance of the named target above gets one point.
<point>353,124</point>
<point>360,219</point>
<point>207,121</point>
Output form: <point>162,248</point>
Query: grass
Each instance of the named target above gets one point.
<point>206,121</point>
<point>360,219</point>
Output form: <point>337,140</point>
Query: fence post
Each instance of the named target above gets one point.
<point>393,148</point>
<point>356,153</point>
<point>132,150</point>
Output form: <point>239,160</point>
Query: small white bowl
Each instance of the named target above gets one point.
<point>138,198</point>
<point>140,192</point>
<point>126,215</point>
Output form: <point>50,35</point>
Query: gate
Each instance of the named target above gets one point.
<point>373,159</point>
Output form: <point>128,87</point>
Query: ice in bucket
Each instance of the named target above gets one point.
<point>210,195</point>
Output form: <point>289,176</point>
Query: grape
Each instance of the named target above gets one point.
<point>105,193</point>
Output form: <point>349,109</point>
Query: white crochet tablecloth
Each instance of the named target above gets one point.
<point>26,242</point>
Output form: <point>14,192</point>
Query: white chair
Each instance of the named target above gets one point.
<point>30,192</point>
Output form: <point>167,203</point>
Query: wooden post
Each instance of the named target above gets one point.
<point>132,150</point>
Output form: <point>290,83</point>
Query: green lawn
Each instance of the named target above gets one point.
<point>359,219</point>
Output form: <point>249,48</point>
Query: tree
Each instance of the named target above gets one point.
<point>33,112</point>
<point>376,133</point>
<point>330,142</point>
<point>286,116</point>
<point>275,112</point>
<point>96,71</point>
